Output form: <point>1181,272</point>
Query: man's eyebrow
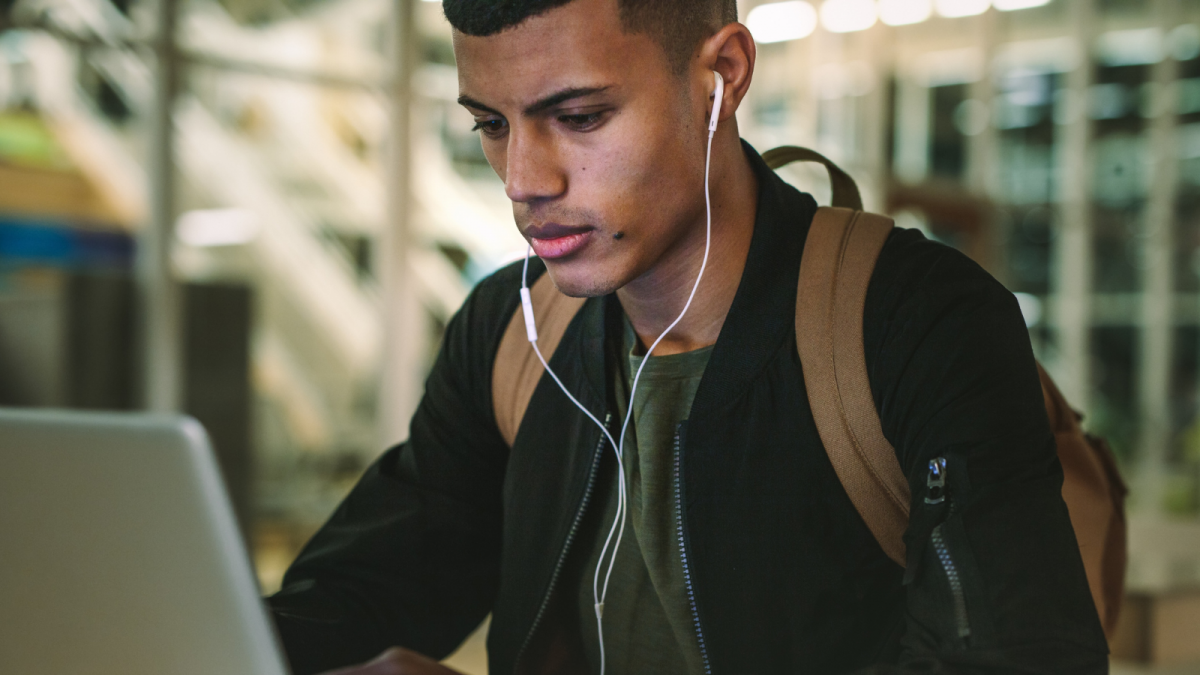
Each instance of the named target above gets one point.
<point>561,97</point>
<point>469,102</point>
<point>540,105</point>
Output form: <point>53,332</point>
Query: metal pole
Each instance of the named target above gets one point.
<point>912,128</point>
<point>161,336</point>
<point>982,174</point>
<point>184,57</point>
<point>1159,282</point>
<point>873,155</point>
<point>404,330</point>
<point>332,80</point>
<point>802,55</point>
<point>982,165</point>
<point>1074,252</point>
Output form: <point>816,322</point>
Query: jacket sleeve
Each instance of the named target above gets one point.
<point>994,579</point>
<point>411,556</point>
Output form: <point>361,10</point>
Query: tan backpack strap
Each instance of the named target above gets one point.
<point>517,371</point>
<point>835,270</point>
<point>844,191</point>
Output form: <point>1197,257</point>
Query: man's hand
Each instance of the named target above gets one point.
<point>398,661</point>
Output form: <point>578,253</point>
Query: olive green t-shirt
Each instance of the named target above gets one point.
<point>648,626</point>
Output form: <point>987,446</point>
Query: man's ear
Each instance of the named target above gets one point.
<point>731,52</point>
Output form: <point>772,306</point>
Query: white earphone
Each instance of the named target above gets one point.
<point>600,591</point>
<point>718,97</point>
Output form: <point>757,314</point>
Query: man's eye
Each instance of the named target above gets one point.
<point>581,122</point>
<point>490,127</point>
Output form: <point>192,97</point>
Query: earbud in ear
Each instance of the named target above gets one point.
<point>718,96</point>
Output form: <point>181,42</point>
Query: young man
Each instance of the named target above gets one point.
<point>743,552</point>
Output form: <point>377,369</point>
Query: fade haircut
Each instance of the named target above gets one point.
<point>677,25</point>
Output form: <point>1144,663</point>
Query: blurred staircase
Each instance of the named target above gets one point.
<point>276,149</point>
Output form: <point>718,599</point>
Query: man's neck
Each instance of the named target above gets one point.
<point>654,300</point>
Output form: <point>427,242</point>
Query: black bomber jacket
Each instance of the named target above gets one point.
<point>783,575</point>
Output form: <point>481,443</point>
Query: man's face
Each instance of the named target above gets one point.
<point>593,134</point>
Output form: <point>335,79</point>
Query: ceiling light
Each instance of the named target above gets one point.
<point>904,12</point>
<point>1010,5</point>
<point>956,8</point>
<point>845,16</point>
<point>217,227</point>
<point>780,21</point>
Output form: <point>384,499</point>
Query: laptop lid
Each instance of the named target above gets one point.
<point>119,552</point>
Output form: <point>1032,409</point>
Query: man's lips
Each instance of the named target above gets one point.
<point>554,230</point>
<point>556,241</point>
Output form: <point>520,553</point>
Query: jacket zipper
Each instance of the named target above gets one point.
<point>956,588</point>
<point>683,556</point>
<point>562,556</point>
<point>936,483</point>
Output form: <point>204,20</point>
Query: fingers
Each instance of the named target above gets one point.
<point>398,661</point>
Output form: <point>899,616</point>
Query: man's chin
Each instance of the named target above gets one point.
<point>578,282</point>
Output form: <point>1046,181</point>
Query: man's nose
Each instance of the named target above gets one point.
<point>533,173</point>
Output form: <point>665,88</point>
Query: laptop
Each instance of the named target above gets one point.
<point>119,552</point>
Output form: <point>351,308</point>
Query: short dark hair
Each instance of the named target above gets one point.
<point>677,25</point>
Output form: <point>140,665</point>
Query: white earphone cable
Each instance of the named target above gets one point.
<point>600,592</point>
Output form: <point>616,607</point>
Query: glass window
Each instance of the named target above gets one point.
<point>1117,103</point>
<point>947,143</point>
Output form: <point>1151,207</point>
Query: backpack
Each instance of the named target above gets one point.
<point>839,257</point>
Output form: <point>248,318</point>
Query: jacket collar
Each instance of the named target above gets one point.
<point>762,317</point>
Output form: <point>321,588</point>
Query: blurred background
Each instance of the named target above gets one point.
<point>264,212</point>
